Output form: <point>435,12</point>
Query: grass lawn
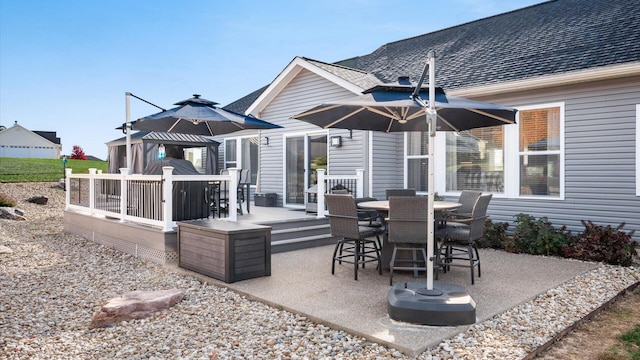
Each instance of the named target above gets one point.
<point>27,170</point>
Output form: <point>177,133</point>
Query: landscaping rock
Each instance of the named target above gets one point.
<point>135,305</point>
<point>11,213</point>
<point>5,250</point>
<point>40,200</point>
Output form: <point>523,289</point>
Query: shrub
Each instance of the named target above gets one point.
<point>7,201</point>
<point>602,243</point>
<point>538,237</point>
<point>495,235</point>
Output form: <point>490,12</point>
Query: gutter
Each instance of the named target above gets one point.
<point>546,81</point>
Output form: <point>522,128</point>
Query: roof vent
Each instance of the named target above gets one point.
<point>404,80</point>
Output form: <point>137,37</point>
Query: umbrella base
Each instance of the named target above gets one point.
<point>444,305</point>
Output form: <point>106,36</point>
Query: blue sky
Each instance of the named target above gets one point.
<point>66,65</point>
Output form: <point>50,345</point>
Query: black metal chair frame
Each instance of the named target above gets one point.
<point>355,245</point>
<point>407,231</point>
<point>458,240</point>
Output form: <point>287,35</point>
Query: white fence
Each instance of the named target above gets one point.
<point>354,184</point>
<point>154,200</point>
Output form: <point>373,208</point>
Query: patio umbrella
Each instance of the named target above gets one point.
<point>195,116</point>
<point>401,107</point>
<point>199,116</point>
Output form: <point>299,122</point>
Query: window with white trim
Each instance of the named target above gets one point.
<point>417,160</point>
<point>475,160</point>
<point>523,160</point>
<point>540,151</point>
<point>242,153</point>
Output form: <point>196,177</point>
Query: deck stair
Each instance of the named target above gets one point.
<point>299,233</point>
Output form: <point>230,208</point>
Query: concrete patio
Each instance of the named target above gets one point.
<point>301,282</point>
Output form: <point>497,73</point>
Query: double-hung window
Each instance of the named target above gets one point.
<point>524,160</point>
<point>475,160</point>
<point>540,150</point>
<point>417,160</point>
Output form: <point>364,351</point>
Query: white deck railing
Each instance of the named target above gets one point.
<point>147,199</point>
<point>326,184</point>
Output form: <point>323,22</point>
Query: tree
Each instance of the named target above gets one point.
<point>78,153</point>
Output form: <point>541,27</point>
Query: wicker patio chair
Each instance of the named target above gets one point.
<point>468,199</point>
<point>457,239</point>
<point>358,244</point>
<point>407,231</point>
<point>400,192</point>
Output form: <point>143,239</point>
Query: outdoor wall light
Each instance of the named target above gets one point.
<point>336,141</point>
<point>161,152</point>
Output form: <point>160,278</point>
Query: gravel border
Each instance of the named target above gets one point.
<point>53,283</point>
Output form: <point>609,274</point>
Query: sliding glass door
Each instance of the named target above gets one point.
<point>304,154</point>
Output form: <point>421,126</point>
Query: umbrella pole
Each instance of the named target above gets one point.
<point>128,132</point>
<point>431,119</point>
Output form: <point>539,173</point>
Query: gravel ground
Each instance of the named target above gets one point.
<point>52,284</point>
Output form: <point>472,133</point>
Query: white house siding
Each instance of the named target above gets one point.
<point>18,142</point>
<point>599,156</point>
<point>387,161</point>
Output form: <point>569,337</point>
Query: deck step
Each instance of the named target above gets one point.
<point>301,233</point>
<point>301,243</point>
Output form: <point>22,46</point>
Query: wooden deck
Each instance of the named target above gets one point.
<point>291,230</point>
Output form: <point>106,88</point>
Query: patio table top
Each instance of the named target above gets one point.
<point>384,205</point>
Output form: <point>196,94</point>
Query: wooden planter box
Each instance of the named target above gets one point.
<point>225,250</point>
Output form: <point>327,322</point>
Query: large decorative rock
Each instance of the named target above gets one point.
<point>11,213</point>
<point>40,200</point>
<point>135,305</point>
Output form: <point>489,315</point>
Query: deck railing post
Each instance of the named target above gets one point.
<point>321,191</point>
<point>359,183</point>
<point>92,190</point>
<point>123,193</point>
<point>167,198</point>
<point>233,194</point>
<point>67,188</point>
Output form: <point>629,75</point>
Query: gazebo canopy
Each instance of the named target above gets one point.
<point>145,150</point>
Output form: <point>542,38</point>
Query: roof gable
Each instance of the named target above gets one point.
<point>353,80</point>
<point>18,134</point>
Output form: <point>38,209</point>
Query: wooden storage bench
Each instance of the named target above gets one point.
<point>225,250</point>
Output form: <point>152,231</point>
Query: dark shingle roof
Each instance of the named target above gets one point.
<point>243,103</point>
<point>549,38</point>
<point>552,37</point>
<point>360,78</point>
<point>49,135</point>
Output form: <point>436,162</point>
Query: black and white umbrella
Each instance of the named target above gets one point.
<point>195,116</point>
<point>199,116</point>
<point>402,107</point>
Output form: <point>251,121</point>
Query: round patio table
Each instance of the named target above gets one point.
<point>382,207</point>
